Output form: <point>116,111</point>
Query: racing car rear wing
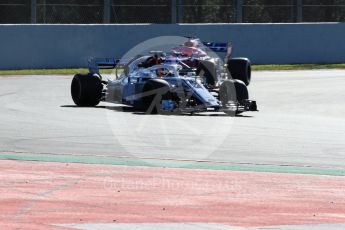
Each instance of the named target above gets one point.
<point>102,63</point>
<point>217,46</point>
<point>222,47</point>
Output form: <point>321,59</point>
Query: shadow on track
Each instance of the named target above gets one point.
<point>128,109</point>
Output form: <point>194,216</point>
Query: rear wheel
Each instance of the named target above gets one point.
<point>240,68</point>
<point>86,90</point>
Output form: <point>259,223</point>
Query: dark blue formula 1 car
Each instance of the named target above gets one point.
<point>161,88</point>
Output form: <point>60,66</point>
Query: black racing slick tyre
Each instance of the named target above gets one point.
<point>154,91</point>
<point>240,68</point>
<point>207,69</point>
<point>233,91</point>
<point>86,90</point>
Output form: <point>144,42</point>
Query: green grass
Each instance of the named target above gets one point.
<point>43,71</point>
<point>298,67</point>
<point>48,71</point>
<point>84,70</point>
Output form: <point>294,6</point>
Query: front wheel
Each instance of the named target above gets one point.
<point>86,90</point>
<point>233,91</point>
<point>157,97</point>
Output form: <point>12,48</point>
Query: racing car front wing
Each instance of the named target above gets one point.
<point>231,107</point>
<point>245,105</point>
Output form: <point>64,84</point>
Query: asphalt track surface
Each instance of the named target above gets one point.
<point>300,123</point>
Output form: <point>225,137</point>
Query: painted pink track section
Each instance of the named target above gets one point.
<point>37,195</point>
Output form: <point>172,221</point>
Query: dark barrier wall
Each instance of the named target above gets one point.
<point>55,46</point>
